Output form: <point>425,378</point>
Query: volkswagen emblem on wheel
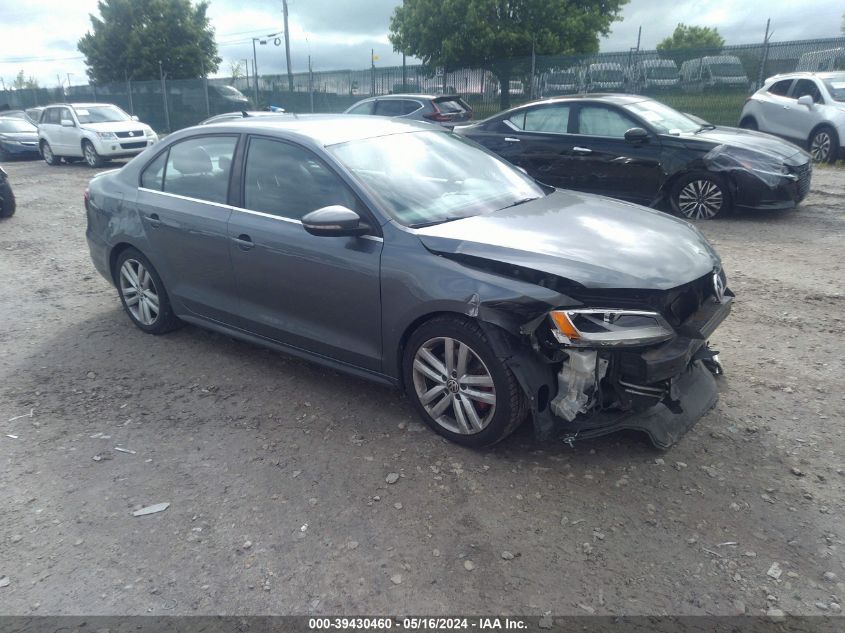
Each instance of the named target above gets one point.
<point>718,287</point>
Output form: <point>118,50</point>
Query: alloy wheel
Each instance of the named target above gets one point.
<point>700,200</point>
<point>820,147</point>
<point>90,155</point>
<point>47,152</point>
<point>139,292</point>
<point>454,385</point>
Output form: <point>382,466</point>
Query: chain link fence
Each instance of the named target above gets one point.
<point>710,83</point>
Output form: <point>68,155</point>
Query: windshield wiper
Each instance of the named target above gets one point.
<point>706,126</point>
<point>448,218</point>
<point>521,201</point>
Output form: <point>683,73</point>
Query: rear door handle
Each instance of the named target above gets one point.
<point>510,139</point>
<point>244,242</point>
<point>582,150</point>
<point>154,220</point>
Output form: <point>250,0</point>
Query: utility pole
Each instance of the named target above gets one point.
<point>533,68</point>
<point>765,56</point>
<point>255,71</point>
<point>287,44</point>
<point>164,96</point>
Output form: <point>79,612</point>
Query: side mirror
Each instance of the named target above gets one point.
<point>134,117</point>
<point>67,123</point>
<point>334,221</point>
<point>636,135</point>
<point>806,100</point>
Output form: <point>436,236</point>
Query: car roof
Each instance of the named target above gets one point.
<point>410,95</point>
<point>80,105</point>
<point>325,129</point>
<point>827,74</point>
<point>601,97</point>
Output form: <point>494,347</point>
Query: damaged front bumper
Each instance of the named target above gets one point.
<point>661,390</point>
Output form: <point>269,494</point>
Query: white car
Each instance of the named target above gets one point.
<point>95,132</point>
<point>805,108</point>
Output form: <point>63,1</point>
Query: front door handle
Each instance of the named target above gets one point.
<point>582,150</point>
<point>154,220</point>
<point>511,139</point>
<point>244,242</point>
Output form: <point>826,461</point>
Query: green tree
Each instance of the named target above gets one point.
<point>21,82</point>
<point>688,42</point>
<point>130,37</point>
<point>494,34</point>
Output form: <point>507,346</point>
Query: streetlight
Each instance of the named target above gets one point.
<point>262,41</point>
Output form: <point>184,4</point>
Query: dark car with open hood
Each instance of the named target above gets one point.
<point>638,149</point>
<point>405,254</point>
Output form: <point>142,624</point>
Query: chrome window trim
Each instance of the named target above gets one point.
<point>261,214</point>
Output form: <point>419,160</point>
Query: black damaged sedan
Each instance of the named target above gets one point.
<point>638,149</point>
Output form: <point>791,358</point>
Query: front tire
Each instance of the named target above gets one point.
<point>700,196</point>
<point>142,293</point>
<point>92,158</point>
<point>7,201</point>
<point>824,144</point>
<point>458,385</point>
<point>47,154</point>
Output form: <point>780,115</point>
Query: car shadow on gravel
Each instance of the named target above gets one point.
<point>194,377</point>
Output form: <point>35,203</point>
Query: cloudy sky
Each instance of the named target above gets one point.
<point>39,36</point>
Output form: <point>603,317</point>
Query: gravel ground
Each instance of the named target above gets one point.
<point>277,470</point>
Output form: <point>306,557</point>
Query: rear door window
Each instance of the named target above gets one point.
<point>411,106</point>
<point>551,119</point>
<point>780,88</point>
<point>390,107</point>
<point>199,168</point>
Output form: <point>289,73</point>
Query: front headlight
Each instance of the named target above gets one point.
<point>609,327</point>
<point>107,136</point>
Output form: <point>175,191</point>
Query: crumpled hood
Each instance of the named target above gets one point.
<point>594,241</point>
<point>747,139</point>
<point>117,126</point>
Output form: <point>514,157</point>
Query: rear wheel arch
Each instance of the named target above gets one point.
<point>115,254</point>
<point>749,122</point>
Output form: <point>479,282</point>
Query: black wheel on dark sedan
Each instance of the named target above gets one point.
<point>459,386</point>
<point>824,144</point>
<point>700,196</point>
<point>142,293</point>
<point>7,200</point>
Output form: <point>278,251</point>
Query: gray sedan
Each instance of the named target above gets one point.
<point>410,256</point>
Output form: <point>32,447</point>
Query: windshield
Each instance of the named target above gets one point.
<point>662,118</point>
<point>16,125</point>
<point>100,114</point>
<point>607,75</point>
<point>836,87</point>
<point>429,177</point>
<point>661,72</point>
<point>727,70</point>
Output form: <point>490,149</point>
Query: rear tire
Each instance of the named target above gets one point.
<point>824,144</point>
<point>458,385</point>
<point>143,294</point>
<point>90,154</point>
<point>47,154</point>
<point>700,196</point>
<point>749,123</point>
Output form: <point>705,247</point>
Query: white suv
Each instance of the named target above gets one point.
<point>95,132</point>
<point>805,108</point>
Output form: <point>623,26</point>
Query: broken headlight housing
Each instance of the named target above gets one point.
<point>609,327</point>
